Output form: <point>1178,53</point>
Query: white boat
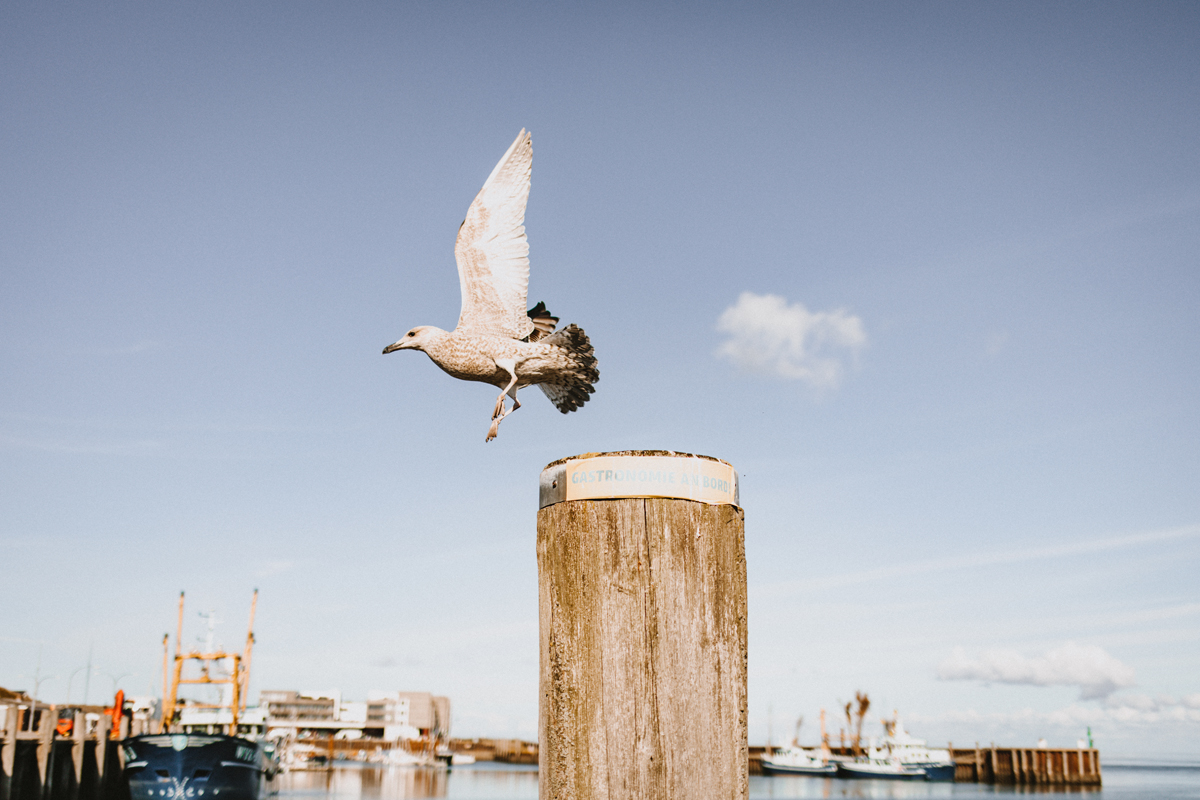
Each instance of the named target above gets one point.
<point>877,764</point>
<point>400,757</point>
<point>795,761</point>
<point>451,759</point>
<point>912,752</point>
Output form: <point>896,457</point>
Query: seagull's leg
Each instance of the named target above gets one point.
<point>509,365</point>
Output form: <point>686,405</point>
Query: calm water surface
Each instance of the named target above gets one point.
<point>492,781</point>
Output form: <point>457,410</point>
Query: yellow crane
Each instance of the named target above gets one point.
<point>238,679</point>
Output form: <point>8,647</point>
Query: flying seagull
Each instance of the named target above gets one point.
<point>497,340</point>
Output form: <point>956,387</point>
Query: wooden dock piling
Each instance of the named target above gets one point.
<point>642,600</point>
<point>1042,766</point>
<point>37,764</point>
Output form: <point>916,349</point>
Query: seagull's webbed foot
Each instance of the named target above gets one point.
<point>500,412</point>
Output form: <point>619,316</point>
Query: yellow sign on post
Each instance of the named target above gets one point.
<point>604,476</point>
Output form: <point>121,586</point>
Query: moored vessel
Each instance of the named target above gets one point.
<point>877,765</point>
<point>795,761</point>
<point>912,752</point>
<point>176,764</point>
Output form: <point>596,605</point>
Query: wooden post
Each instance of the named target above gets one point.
<point>78,745</point>
<point>45,740</point>
<point>8,748</point>
<point>102,729</point>
<point>642,601</point>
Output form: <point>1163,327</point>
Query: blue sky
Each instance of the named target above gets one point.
<point>925,274</point>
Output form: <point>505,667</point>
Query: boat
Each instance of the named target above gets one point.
<point>451,759</point>
<point>180,764</point>
<point>795,761</point>
<point>400,757</point>
<point>184,766</point>
<point>912,752</point>
<point>878,765</point>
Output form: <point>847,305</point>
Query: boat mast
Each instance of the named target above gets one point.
<point>245,676</point>
<point>166,677</point>
<point>238,675</point>
<point>168,710</point>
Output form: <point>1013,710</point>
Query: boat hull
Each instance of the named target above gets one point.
<point>770,768</point>
<point>183,766</point>
<point>887,773</point>
<point>938,772</point>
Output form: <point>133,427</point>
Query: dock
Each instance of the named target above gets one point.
<point>1028,766</point>
<point>38,762</point>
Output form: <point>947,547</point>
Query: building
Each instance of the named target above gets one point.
<point>304,709</point>
<point>384,715</point>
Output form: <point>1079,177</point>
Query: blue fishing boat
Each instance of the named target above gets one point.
<point>215,760</point>
<point>188,766</point>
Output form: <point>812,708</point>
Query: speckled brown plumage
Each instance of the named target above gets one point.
<point>497,340</point>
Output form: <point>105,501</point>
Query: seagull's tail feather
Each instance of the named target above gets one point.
<point>543,322</point>
<point>570,390</point>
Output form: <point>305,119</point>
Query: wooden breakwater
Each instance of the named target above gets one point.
<point>1038,766</point>
<point>38,763</point>
<point>1027,766</point>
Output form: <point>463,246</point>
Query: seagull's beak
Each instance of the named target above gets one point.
<point>393,347</point>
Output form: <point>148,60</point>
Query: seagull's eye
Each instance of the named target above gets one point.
<point>410,333</point>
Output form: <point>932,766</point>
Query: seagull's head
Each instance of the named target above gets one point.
<point>416,339</point>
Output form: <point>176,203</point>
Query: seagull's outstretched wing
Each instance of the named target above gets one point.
<point>492,252</point>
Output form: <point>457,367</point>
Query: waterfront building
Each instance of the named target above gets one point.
<point>389,715</point>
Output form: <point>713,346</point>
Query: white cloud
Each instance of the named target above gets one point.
<point>1128,710</point>
<point>770,337</point>
<point>1094,671</point>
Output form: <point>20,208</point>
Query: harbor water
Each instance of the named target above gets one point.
<point>492,781</point>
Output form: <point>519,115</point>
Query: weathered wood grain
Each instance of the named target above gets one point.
<point>642,606</point>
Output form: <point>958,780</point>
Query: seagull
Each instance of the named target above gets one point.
<point>497,340</point>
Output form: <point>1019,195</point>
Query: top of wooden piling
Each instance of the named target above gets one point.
<point>639,473</point>
<point>636,454</point>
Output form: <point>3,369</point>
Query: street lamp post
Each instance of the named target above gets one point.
<point>38,680</point>
<point>71,679</point>
<point>117,679</point>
